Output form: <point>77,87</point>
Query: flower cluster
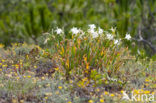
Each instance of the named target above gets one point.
<point>94,32</point>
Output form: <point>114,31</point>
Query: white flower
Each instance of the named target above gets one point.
<point>116,42</point>
<point>109,36</point>
<point>113,29</point>
<point>74,30</point>
<point>95,34</point>
<point>92,26</point>
<point>100,31</point>
<point>59,31</point>
<point>91,31</point>
<point>128,36</point>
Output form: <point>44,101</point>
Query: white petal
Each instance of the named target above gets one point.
<point>92,26</point>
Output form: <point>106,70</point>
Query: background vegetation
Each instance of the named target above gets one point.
<point>26,20</point>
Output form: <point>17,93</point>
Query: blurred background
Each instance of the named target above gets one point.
<point>26,20</point>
